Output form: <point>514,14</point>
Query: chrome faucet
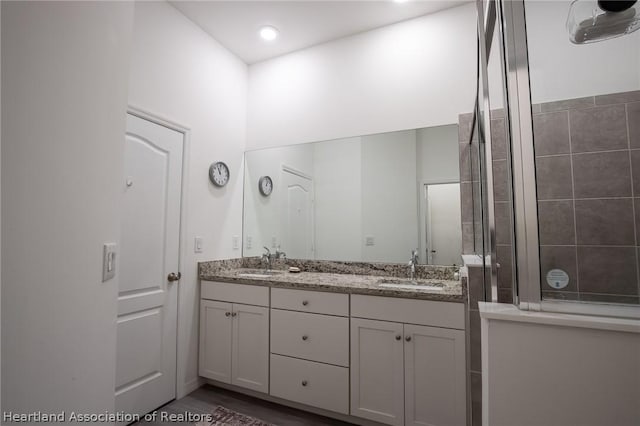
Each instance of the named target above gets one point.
<point>412,264</point>
<point>280,253</point>
<point>267,256</point>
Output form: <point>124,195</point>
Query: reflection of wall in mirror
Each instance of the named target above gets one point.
<point>367,198</point>
<point>262,214</point>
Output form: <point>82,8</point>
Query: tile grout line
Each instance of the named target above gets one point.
<point>573,202</point>
<point>633,202</point>
<point>550,200</point>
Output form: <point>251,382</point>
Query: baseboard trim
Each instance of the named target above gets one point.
<point>286,403</point>
<point>189,387</point>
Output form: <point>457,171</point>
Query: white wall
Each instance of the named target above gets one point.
<point>417,73</point>
<point>389,196</point>
<point>180,73</point>
<point>562,70</point>
<point>64,79</point>
<point>338,192</point>
<point>438,154</point>
<point>558,370</point>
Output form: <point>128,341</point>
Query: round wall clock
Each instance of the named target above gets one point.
<point>219,174</point>
<point>265,185</point>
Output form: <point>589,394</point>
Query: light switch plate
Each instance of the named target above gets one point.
<point>370,240</point>
<point>198,244</point>
<point>249,242</point>
<point>235,242</point>
<point>108,261</point>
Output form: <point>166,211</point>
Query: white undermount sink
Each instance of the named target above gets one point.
<point>255,275</point>
<point>259,274</point>
<point>408,285</point>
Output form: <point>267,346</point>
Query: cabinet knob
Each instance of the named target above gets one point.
<point>234,314</point>
<point>398,337</point>
<point>408,338</point>
<point>305,302</point>
<point>305,337</point>
<point>226,314</point>
<point>304,383</point>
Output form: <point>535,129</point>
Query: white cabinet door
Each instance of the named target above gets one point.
<point>250,354</point>
<point>377,371</point>
<point>215,340</point>
<point>434,376</point>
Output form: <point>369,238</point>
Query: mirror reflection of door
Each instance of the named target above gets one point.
<point>442,223</point>
<point>298,217</point>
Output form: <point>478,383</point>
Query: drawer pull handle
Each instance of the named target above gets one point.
<point>408,338</point>
<point>305,302</point>
<point>304,383</point>
<point>305,337</point>
<point>398,337</point>
<point>226,314</point>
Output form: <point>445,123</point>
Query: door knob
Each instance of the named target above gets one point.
<point>304,383</point>
<point>305,337</point>
<point>408,338</point>
<point>227,314</point>
<point>174,277</point>
<point>398,337</point>
<point>305,302</point>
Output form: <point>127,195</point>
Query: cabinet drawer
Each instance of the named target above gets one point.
<point>313,337</point>
<point>411,311</point>
<point>311,383</point>
<point>235,293</point>
<point>310,301</point>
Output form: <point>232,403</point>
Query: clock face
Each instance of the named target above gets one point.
<point>219,174</point>
<point>265,185</point>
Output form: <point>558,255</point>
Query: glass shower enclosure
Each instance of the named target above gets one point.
<point>558,117</point>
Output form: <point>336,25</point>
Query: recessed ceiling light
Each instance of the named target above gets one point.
<point>268,33</point>
<point>400,1</point>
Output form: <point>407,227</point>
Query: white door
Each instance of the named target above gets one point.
<point>150,235</point>
<point>434,376</point>
<point>250,343</point>
<point>444,233</point>
<point>297,215</point>
<point>377,371</point>
<point>215,340</point>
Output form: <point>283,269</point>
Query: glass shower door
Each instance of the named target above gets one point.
<point>575,116</point>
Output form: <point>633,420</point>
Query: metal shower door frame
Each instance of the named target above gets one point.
<point>511,17</point>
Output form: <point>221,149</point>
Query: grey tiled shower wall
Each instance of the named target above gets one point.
<point>588,183</point>
<point>588,186</point>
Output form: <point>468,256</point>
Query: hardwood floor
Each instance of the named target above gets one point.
<point>205,399</point>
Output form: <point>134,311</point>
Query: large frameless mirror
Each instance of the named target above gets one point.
<point>371,198</point>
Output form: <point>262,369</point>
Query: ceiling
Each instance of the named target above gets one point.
<point>302,23</point>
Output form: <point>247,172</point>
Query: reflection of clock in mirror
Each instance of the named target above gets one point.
<point>219,174</point>
<point>265,185</point>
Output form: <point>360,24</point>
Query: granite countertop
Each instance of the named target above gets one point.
<point>445,289</point>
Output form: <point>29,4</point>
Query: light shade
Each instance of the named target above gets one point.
<point>268,33</point>
<point>588,22</point>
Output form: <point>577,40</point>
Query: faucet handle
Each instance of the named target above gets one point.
<point>268,252</point>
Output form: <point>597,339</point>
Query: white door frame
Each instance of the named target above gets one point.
<point>182,388</point>
<point>422,214</point>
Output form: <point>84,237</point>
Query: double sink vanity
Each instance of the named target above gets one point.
<point>351,340</point>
